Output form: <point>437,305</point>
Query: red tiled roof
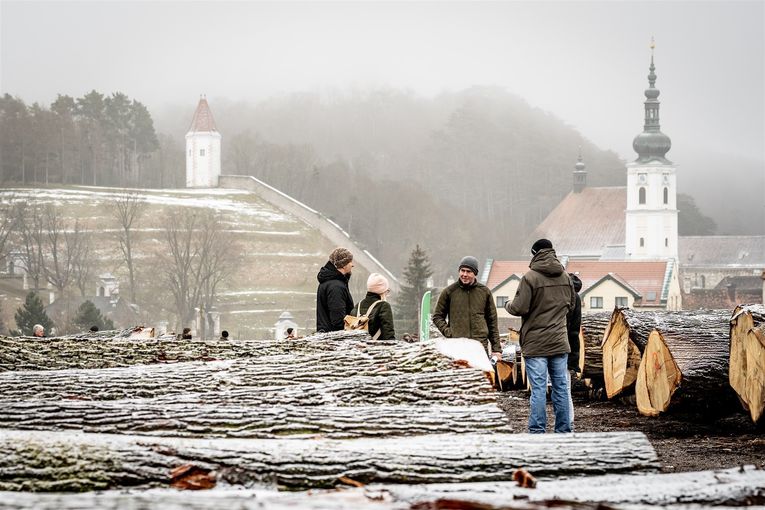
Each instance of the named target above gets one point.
<point>501,270</point>
<point>642,276</point>
<point>203,119</point>
<point>583,224</point>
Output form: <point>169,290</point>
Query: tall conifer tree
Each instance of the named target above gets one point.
<point>88,315</point>
<point>416,274</point>
<point>33,312</point>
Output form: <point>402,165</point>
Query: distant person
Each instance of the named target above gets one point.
<point>466,309</point>
<point>333,297</point>
<point>289,334</point>
<point>407,338</point>
<point>186,335</point>
<point>380,324</point>
<point>94,329</point>
<point>224,335</point>
<point>544,298</point>
<point>38,331</point>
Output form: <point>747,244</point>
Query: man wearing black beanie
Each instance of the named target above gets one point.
<point>544,297</point>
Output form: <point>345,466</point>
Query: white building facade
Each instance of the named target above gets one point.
<point>203,154</point>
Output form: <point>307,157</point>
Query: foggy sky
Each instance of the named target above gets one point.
<point>586,62</point>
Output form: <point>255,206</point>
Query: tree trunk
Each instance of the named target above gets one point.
<point>747,358</point>
<point>623,344</point>
<point>55,461</point>
<point>685,365</point>
<point>594,326</point>
<point>242,383</point>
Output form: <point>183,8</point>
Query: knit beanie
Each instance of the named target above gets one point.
<point>470,263</point>
<point>340,257</point>
<point>541,244</point>
<point>377,283</point>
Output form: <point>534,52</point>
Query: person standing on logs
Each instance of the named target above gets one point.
<point>333,298</point>
<point>466,309</point>
<point>381,319</point>
<point>543,300</point>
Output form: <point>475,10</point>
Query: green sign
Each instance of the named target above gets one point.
<point>425,317</point>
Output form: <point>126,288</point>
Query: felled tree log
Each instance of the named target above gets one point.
<point>594,327</point>
<point>685,365</point>
<point>735,487</point>
<point>747,358</point>
<point>164,417</point>
<point>49,461</point>
<point>244,383</point>
<point>350,349</point>
<point>623,344</point>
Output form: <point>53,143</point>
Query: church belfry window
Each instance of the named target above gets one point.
<point>642,242</point>
<point>641,196</point>
<point>201,152</point>
<point>666,196</point>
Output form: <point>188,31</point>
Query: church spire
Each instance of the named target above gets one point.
<point>580,174</point>
<point>652,144</point>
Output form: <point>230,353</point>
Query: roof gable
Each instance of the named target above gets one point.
<point>203,118</point>
<point>717,251</point>
<point>646,279</point>
<point>501,270</point>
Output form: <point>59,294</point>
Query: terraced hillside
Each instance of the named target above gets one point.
<point>277,255</point>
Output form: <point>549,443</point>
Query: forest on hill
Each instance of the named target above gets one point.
<point>465,172</point>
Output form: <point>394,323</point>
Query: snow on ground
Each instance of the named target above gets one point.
<point>211,198</point>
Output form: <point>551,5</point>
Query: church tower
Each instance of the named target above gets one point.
<point>203,154</point>
<point>651,215</point>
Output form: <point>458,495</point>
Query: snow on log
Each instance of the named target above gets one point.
<point>244,383</point>
<point>735,487</point>
<point>594,326</point>
<point>747,358</point>
<point>685,365</point>
<point>66,461</point>
<point>165,417</point>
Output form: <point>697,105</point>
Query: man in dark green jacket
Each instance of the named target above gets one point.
<point>544,297</point>
<point>466,309</point>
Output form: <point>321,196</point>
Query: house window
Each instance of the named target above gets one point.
<point>189,152</point>
<point>621,302</point>
<point>596,302</point>
<point>642,242</point>
<point>201,152</point>
<point>651,296</point>
<point>501,301</point>
<point>666,242</point>
<point>666,196</point>
<point>641,196</point>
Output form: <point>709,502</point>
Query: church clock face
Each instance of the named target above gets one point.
<point>642,178</point>
<point>665,178</point>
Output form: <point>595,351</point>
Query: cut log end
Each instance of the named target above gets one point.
<point>747,358</point>
<point>658,377</point>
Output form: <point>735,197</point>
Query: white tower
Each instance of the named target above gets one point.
<point>202,149</point>
<point>651,221</point>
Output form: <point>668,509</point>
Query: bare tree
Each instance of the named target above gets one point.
<point>82,263</point>
<point>128,209</point>
<point>199,258</point>
<point>31,232</point>
<point>7,227</point>
<point>62,246</point>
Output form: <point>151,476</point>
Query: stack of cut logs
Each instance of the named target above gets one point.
<point>704,361</point>
<point>120,416</point>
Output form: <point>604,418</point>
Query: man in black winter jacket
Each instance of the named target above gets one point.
<point>574,324</point>
<point>333,298</point>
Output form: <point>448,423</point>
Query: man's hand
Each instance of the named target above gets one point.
<point>497,355</point>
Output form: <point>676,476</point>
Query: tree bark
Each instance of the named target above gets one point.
<point>241,383</point>
<point>747,358</point>
<point>594,326</point>
<point>349,349</point>
<point>51,461</point>
<point>732,487</point>
<point>685,365</point>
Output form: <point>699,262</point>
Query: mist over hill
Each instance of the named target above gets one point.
<point>466,172</point>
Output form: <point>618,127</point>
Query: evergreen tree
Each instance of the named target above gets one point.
<point>33,312</point>
<point>416,274</point>
<point>88,315</point>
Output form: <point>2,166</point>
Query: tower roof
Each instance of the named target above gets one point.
<point>652,144</point>
<point>203,120</point>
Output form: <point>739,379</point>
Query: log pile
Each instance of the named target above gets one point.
<point>747,358</point>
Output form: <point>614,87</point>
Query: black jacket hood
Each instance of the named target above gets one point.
<point>576,282</point>
<point>330,272</point>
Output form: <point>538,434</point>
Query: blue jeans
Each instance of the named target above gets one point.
<point>537,368</point>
